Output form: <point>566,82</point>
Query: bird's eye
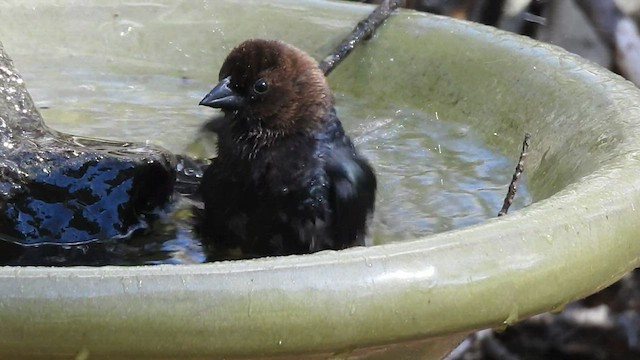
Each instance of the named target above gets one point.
<point>261,86</point>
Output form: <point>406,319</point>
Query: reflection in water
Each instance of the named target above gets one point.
<point>434,175</point>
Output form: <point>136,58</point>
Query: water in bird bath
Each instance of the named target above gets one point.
<point>433,175</point>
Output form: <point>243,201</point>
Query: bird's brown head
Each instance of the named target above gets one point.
<point>271,87</point>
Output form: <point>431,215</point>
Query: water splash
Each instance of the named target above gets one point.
<point>61,189</point>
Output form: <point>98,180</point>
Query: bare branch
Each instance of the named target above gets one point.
<point>513,187</point>
<point>364,30</point>
<point>619,31</point>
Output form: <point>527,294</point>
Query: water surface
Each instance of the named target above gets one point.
<point>434,175</point>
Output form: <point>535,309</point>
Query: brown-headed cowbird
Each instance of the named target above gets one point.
<point>287,179</point>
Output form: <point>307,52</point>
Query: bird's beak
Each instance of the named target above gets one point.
<point>223,97</point>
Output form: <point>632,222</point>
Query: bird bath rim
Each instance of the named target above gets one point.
<point>563,247</point>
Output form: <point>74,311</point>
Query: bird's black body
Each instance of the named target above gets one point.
<point>287,179</point>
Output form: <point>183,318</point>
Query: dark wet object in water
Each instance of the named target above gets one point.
<point>60,189</point>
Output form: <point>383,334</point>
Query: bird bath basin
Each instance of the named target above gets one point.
<point>405,300</point>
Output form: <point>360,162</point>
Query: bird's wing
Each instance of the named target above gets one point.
<point>352,194</point>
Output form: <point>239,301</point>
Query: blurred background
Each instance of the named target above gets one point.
<point>603,31</point>
<point>605,325</point>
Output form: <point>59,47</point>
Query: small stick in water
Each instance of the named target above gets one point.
<point>513,187</point>
<point>362,31</point>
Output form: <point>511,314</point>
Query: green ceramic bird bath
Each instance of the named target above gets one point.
<point>407,300</point>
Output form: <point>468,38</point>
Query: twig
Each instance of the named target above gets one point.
<point>604,15</point>
<point>468,345</point>
<point>496,350</point>
<point>533,18</point>
<point>620,33</point>
<point>483,342</point>
<point>513,187</point>
<point>628,49</point>
<point>362,31</point>
<point>487,12</point>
